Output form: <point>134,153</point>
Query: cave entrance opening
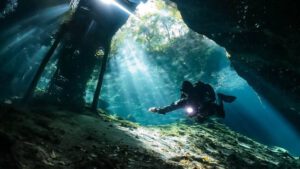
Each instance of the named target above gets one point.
<point>149,60</point>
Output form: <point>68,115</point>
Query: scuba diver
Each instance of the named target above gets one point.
<point>199,101</point>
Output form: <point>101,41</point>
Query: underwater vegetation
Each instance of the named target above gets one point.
<point>52,138</point>
<point>263,40</point>
<point>151,57</point>
<point>136,58</point>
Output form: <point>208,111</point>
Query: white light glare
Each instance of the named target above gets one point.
<point>113,2</point>
<point>107,1</point>
<point>189,110</point>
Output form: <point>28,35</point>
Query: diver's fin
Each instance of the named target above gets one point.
<point>226,98</point>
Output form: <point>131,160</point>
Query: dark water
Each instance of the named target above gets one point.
<point>150,58</point>
<point>23,46</point>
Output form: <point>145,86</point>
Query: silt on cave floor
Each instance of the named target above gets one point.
<point>55,138</point>
<point>234,46</point>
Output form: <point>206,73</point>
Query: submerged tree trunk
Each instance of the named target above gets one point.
<point>43,64</point>
<point>92,26</point>
<point>101,75</point>
<point>75,65</point>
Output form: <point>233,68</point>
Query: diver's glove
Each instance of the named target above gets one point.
<point>155,110</point>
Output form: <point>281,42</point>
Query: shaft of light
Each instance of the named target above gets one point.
<point>113,2</point>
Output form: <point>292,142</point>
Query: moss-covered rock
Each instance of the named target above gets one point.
<point>54,138</point>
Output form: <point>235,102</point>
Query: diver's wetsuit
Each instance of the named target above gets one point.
<point>201,97</point>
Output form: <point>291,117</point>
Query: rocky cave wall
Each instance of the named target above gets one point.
<point>263,39</point>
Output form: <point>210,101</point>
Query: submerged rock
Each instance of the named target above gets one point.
<point>263,40</point>
<point>104,141</point>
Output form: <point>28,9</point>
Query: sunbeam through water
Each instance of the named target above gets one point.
<point>141,75</point>
<point>25,44</point>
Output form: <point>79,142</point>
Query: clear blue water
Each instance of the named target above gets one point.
<point>140,75</point>
<point>134,82</point>
<point>138,78</point>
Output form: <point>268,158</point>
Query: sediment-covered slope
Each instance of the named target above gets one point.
<point>54,138</point>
